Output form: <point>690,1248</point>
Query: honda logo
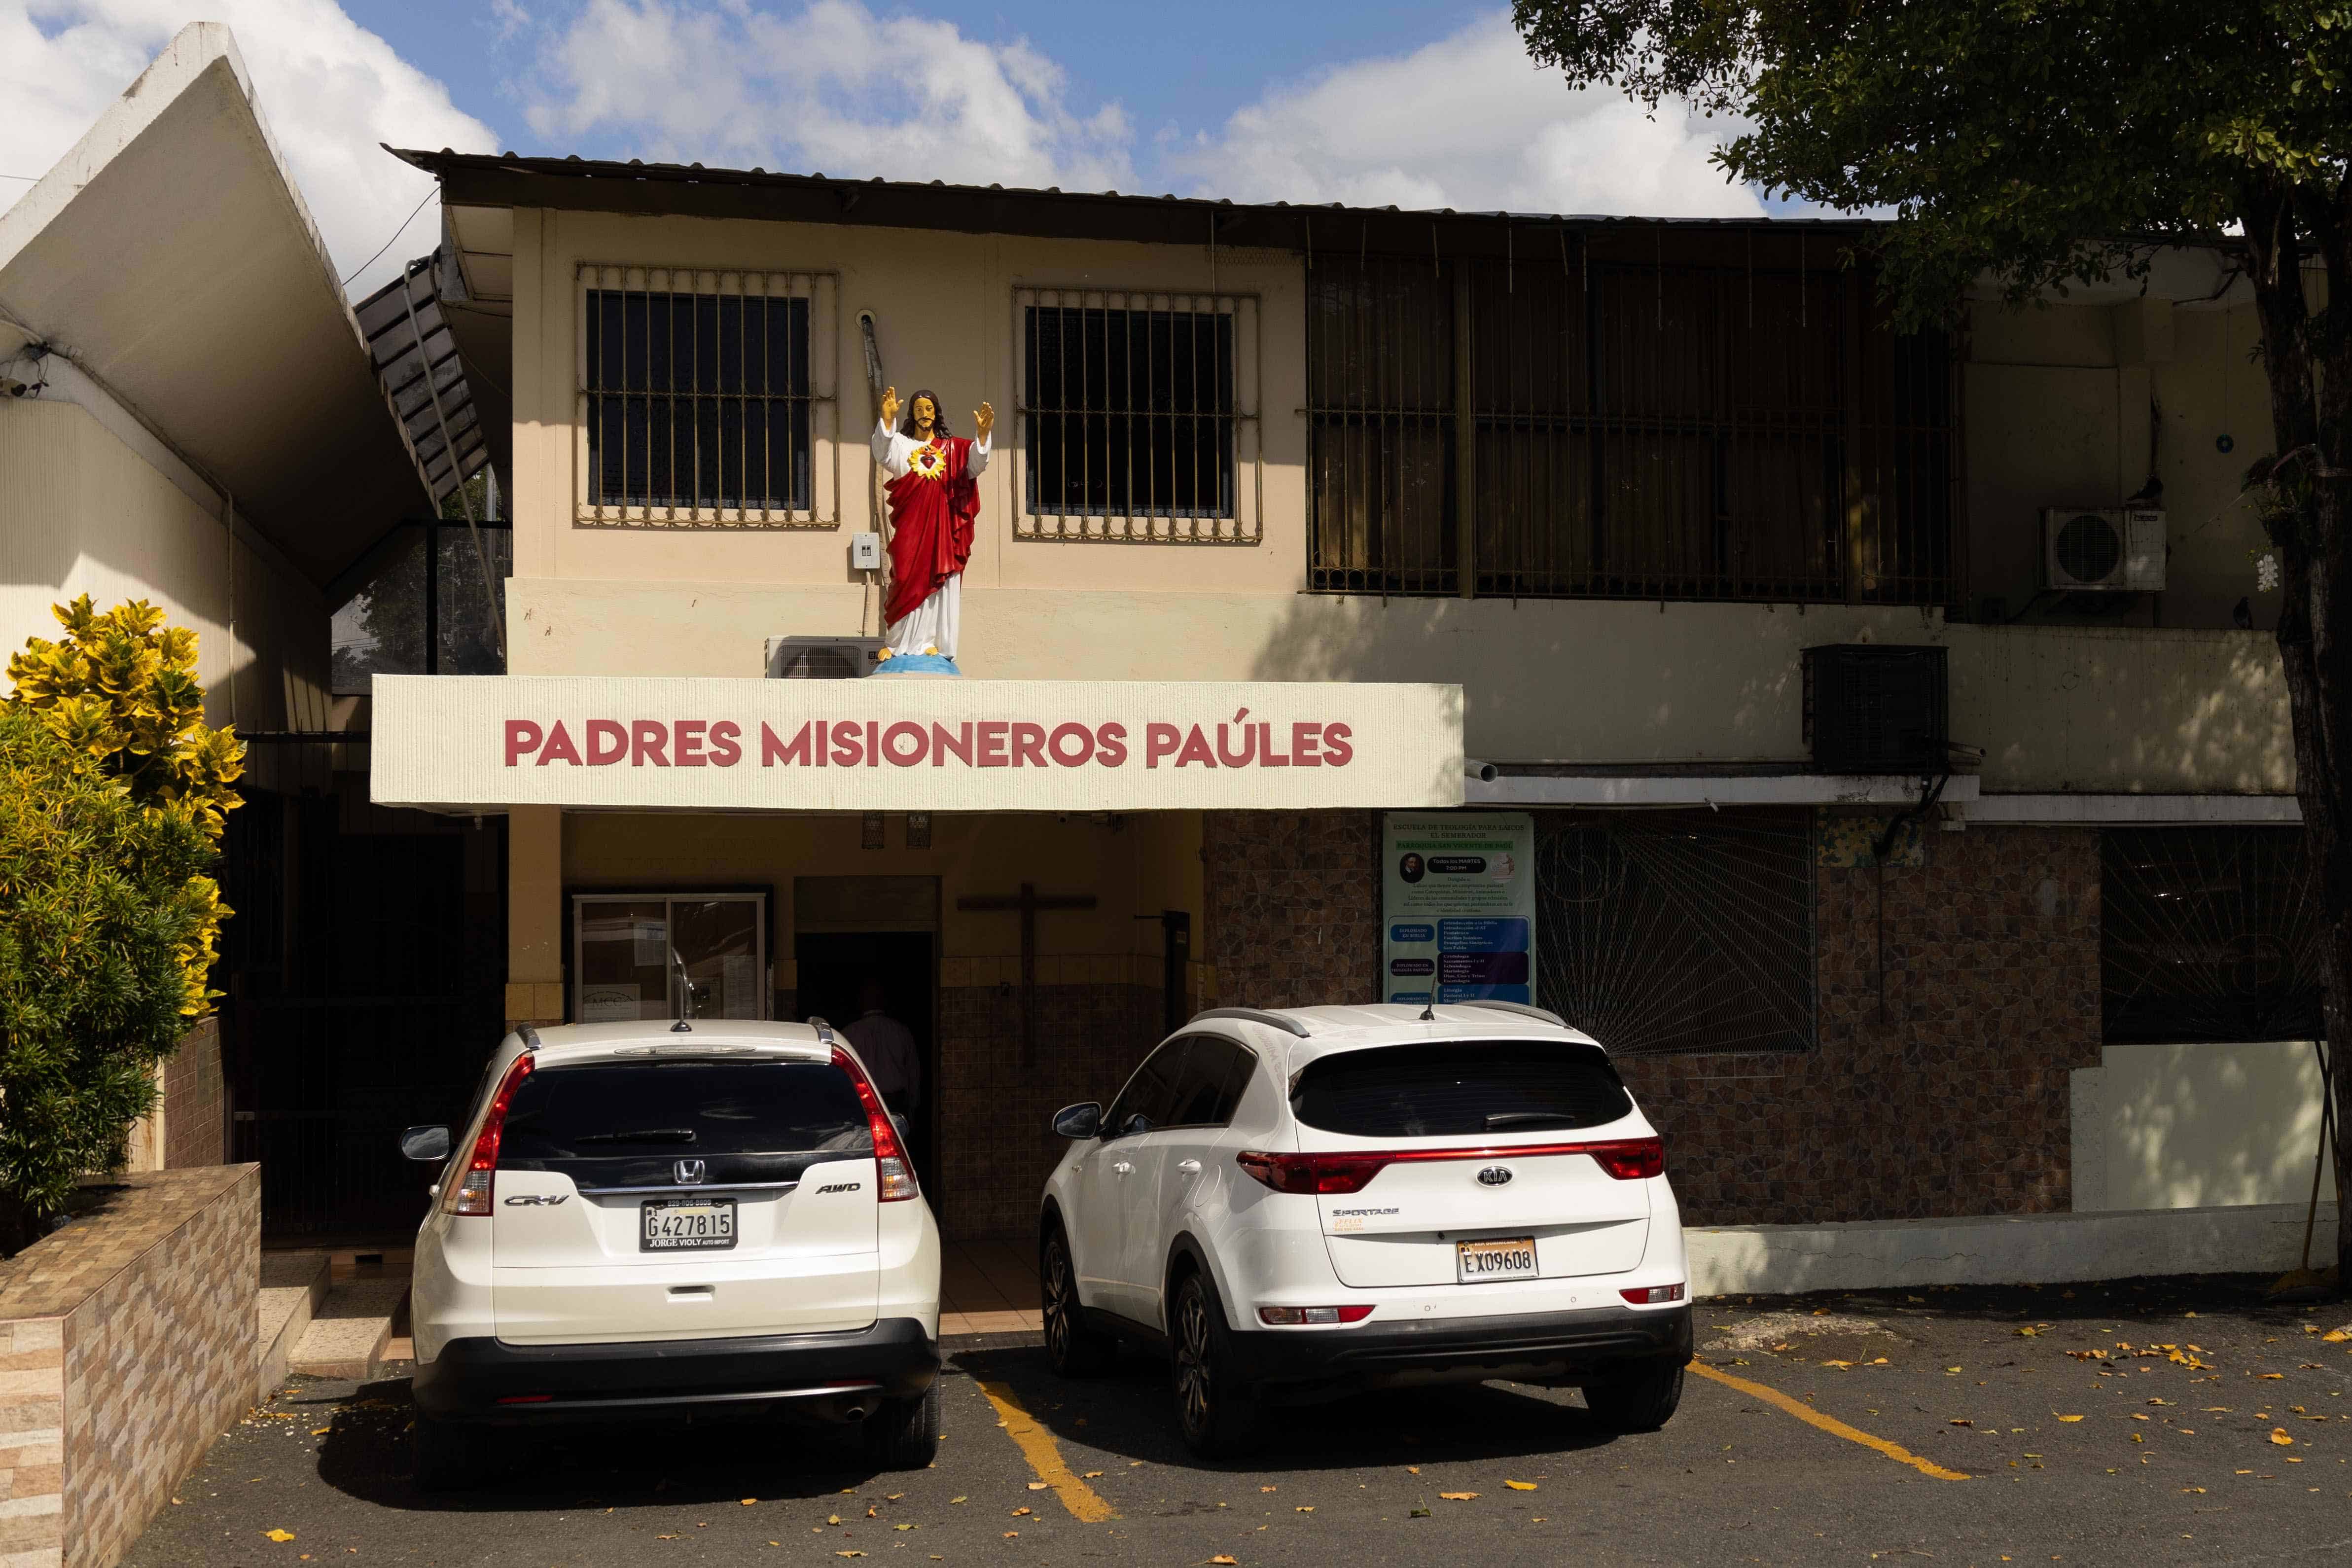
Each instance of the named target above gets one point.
<point>1495,1176</point>
<point>689,1171</point>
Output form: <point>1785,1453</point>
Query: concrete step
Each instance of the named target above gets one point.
<point>293,1285</point>
<point>353,1330</point>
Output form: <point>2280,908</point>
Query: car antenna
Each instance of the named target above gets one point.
<point>1428,1010</point>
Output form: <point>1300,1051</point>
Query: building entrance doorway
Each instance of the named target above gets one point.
<point>834,968</point>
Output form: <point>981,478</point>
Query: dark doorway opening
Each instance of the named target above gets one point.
<point>834,966</point>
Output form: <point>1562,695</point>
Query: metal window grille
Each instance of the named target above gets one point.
<point>1697,428</point>
<point>2209,934</point>
<point>1679,931</point>
<point>708,398</point>
<point>1137,420</point>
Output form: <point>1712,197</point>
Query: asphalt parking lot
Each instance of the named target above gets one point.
<point>2145,1422</point>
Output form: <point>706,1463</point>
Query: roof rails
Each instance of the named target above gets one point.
<point>824,1030</point>
<point>529,1036</point>
<point>1283,1021</point>
<point>1521,1008</point>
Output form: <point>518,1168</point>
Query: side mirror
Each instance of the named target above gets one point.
<point>425,1145</point>
<point>1079,1120</point>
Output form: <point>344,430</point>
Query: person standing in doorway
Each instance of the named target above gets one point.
<point>887,1048</point>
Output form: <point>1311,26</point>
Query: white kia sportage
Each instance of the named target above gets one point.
<point>1302,1204</point>
<point>646,1218</point>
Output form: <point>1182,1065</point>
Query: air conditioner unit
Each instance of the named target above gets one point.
<point>822,659</point>
<point>1877,708</point>
<point>2118,550</point>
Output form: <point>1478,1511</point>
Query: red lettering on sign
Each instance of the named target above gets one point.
<point>1110,744</point>
<point>648,738</point>
<point>819,757</point>
<point>1336,749</point>
<point>991,744</point>
<point>723,749</point>
<point>956,743</point>
<point>772,749</point>
<point>1158,741</point>
<point>905,731</point>
<point>1078,733</point>
<point>1028,745</point>
<point>608,742</point>
<point>688,733</point>
<point>522,739</point>
<point>1303,738</point>
<point>1226,757</point>
<point>560,748</point>
<point>873,741</point>
<point>1196,750</point>
<point>1267,757</point>
<point>847,745</point>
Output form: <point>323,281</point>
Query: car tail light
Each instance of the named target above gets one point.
<point>1285,1315</point>
<point>470,1194</point>
<point>891,1172</point>
<point>1626,1159</point>
<point>1653,1295</point>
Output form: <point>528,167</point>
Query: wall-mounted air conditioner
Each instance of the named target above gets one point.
<point>2118,550</point>
<point>822,659</point>
<point>1877,708</point>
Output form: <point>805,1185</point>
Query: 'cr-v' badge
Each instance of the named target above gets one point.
<point>1495,1176</point>
<point>536,1200</point>
<point>689,1171</point>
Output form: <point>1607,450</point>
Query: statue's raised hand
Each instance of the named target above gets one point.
<point>890,406</point>
<point>984,420</point>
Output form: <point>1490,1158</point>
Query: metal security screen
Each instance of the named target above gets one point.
<point>1137,418</point>
<point>2209,934</point>
<point>700,400</point>
<point>1689,424</point>
<point>1674,931</point>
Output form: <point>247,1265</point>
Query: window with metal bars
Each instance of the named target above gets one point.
<point>1136,417</point>
<point>698,397</point>
<point>2209,934</point>
<point>1692,424</point>
<point>1679,931</point>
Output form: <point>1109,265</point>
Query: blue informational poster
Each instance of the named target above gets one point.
<point>1458,907</point>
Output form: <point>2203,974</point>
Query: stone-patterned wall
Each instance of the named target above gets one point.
<point>1294,915</point>
<point>126,1343</point>
<point>194,1096</point>
<point>1951,1100</point>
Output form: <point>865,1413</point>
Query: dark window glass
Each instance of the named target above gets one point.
<point>1460,1088</point>
<point>1131,412</point>
<point>671,1109</point>
<point>1149,1098</point>
<point>1215,1074</point>
<point>2209,934</point>
<point>698,400</point>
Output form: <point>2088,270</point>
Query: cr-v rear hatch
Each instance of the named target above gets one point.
<point>1470,1161</point>
<point>676,1197</point>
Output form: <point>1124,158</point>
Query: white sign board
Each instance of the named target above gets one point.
<point>1458,907</point>
<point>904,743</point>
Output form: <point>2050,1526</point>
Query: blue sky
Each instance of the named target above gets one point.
<point>1417,106</point>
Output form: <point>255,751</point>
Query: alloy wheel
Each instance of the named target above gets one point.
<point>1057,1300</point>
<point>1193,1369</point>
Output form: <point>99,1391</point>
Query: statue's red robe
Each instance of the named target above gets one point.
<point>933,506</point>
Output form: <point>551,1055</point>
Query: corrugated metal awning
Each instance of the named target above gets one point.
<point>417,359</point>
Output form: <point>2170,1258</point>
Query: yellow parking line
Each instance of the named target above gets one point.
<point>1045,1457</point>
<point>1830,1423</point>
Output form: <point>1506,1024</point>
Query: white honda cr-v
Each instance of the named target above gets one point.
<point>1303,1204</point>
<point>662,1219</point>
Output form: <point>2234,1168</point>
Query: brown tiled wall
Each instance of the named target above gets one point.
<point>193,1094</point>
<point>996,1146</point>
<point>1294,914</point>
<point>126,1342</point>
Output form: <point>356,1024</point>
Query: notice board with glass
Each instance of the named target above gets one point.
<point>662,955</point>
<point>1458,907</point>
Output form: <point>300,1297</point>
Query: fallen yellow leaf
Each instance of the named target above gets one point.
<point>1458,1497</point>
<point>1837,1363</point>
<point>1265,1489</point>
<point>2278,1436</point>
<point>954,1499</point>
<point>1960,1421</point>
<point>2335,1337</point>
<point>749,1501</point>
<point>320,1431</point>
<point>282,1536</point>
<point>1520,1485</point>
<point>1304,1508</point>
<point>1019,1511</point>
<point>1222,1561</point>
<point>1040,1486</point>
<point>1090,1475</point>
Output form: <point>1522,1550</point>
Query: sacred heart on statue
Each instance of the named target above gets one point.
<point>928,462</point>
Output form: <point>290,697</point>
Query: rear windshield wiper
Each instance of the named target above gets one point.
<point>642,1135</point>
<point>1500,1119</point>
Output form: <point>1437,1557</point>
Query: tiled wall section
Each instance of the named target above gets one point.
<point>194,1093</point>
<point>1294,914</point>
<point>126,1342</point>
<point>1947,1097</point>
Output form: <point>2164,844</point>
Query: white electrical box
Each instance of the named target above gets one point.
<point>866,553</point>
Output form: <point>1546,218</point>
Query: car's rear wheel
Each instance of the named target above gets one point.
<point>904,1435</point>
<point>1217,1414</point>
<point>1075,1349</point>
<point>450,1455</point>
<point>1641,1400</point>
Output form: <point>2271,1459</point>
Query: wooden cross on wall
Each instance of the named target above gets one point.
<point>1028,902</point>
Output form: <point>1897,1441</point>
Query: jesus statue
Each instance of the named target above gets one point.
<point>934,500</point>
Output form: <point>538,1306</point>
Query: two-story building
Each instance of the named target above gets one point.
<point>1873,737</point>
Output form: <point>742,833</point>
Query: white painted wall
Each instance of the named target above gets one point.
<point>2178,1127</point>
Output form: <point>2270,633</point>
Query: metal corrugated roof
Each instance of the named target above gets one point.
<point>415,357</point>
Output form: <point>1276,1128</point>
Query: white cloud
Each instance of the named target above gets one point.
<point>832,87</point>
<point>329,89</point>
<point>1469,122</point>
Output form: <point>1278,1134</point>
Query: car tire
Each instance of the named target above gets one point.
<point>451,1455</point>
<point>1075,1348</point>
<point>1641,1400</point>
<point>904,1435</point>
<point>1217,1415</point>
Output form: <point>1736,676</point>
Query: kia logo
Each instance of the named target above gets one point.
<point>689,1171</point>
<point>1495,1176</point>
